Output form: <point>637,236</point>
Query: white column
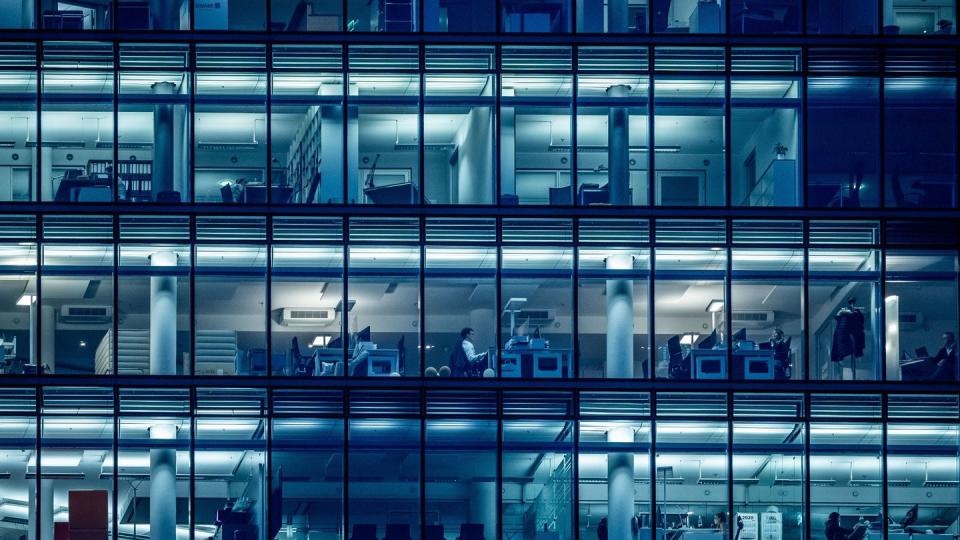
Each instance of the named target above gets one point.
<point>892,337</point>
<point>889,19</point>
<point>163,485</point>
<point>32,512</point>
<point>620,495</point>
<point>33,330</point>
<point>618,145</point>
<point>508,149</point>
<point>46,174</point>
<point>163,316</point>
<point>163,361</point>
<point>620,320</point>
<point>46,509</point>
<point>483,506</point>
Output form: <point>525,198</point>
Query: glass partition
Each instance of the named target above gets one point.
<point>691,479</point>
<point>307,459</point>
<point>306,318</point>
<point>458,132</point>
<point>843,142</point>
<point>72,16</point>
<point>845,479</point>
<point>18,330</point>
<point>691,330</point>
<point>230,477</point>
<point>76,309</point>
<point>20,14</point>
<point>537,462</point>
<point>920,142</point>
<point>230,336</point>
<point>461,478</point>
<point>613,16</point>
<point>153,294</point>
<point>384,478</point>
<point>537,16</point>
<point>766,17</point>
<point>313,16</point>
<point>307,129</point>
<point>920,311</point>
<point>612,310</point>
<point>18,445</point>
<point>395,16</point>
<point>383,312</point>
<point>153,123</point>
<point>853,17</point>
<point>764,128</point>
<point>918,17</point>
<point>688,16</point>
<point>689,141</point>
<point>922,479</point>
<point>383,134</point>
<point>459,16</point>
<point>77,126</point>
<point>767,303</point>
<point>18,161</point>
<point>768,477</point>
<point>234,15</point>
<point>613,127</point>
<point>843,320</point>
<point>230,138</point>
<point>460,297</point>
<point>535,129</point>
<point>614,478</point>
<point>536,315</point>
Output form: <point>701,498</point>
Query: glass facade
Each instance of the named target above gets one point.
<point>479,270</point>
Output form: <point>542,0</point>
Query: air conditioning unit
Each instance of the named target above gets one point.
<point>85,314</point>
<point>911,320</point>
<point>535,316</point>
<point>307,316</point>
<point>752,319</point>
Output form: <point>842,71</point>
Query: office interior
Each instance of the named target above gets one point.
<point>758,17</point>
<point>437,137</point>
<point>231,304</point>
<point>236,463</point>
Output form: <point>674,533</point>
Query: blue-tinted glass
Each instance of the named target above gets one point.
<point>688,16</point>
<point>612,16</point>
<point>843,142</point>
<point>765,17</point>
<point>842,17</point>
<point>540,16</point>
<point>459,16</point>
<point>919,17</point>
<point>382,16</point>
<point>300,16</point>
<point>920,142</point>
<point>18,14</point>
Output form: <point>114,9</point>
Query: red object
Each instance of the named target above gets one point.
<point>61,530</point>
<point>88,515</point>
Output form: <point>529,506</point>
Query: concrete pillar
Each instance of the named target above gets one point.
<point>889,19</point>
<point>331,156</point>
<point>617,17</point>
<point>620,495</point>
<point>46,508</point>
<point>354,187</point>
<point>163,485</point>
<point>163,361</point>
<point>48,322</point>
<point>483,506</point>
<point>46,174</point>
<point>163,140</point>
<point>33,330</point>
<point>619,319</point>
<point>618,145</point>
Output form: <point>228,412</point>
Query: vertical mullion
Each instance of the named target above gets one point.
<point>500,458</point>
<point>652,463</point>
<point>575,456</point>
<point>38,301</point>
<point>115,501</point>
<point>802,161</point>
<point>731,521</point>
<point>652,312</point>
<point>345,476</point>
<point>268,115</point>
<point>575,302</point>
<point>422,296</point>
<point>882,136</point>
<point>191,369</point>
<point>38,468</point>
<point>651,128</point>
<point>574,154</point>
<point>727,119</point>
<point>728,301</point>
<point>268,276</point>
<point>345,114</point>
<point>193,460</point>
<point>345,302</point>
<point>881,374</point>
<point>191,121</point>
<point>115,181</point>
<point>806,357</point>
<point>423,463</point>
<point>884,492</point>
<point>807,512</point>
<point>38,168</point>
<point>499,294</point>
<point>421,198</point>
<point>115,301</point>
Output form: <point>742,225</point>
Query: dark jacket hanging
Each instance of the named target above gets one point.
<point>848,335</point>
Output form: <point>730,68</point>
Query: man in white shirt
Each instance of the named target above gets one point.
<point>464,367</point>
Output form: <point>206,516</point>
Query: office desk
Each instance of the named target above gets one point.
<point>93,189</point>
<point>403,193</point>
<point>711,364</point>
<point>327,357</point>
<point>257,194</point>
<point>534,363</point>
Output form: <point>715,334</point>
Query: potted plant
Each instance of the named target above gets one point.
<point>780,150</point>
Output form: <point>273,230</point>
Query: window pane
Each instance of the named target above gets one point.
<point>765,17</point>
<point>538,16</point>
<point>612,310</point>
<point>461,477</point>
<point>921,457</point>
<point>156,14</point>
<point>688,16</point>
<point>769,466</point>
<point>69,16</point>
<point>843,142</point>
<point>77,127</point>
<point>850,17</point>
<point>920,142</point>
<point>154,109</point>
<point>612,16</point>
<point>314,16</point>
<point>384,312</point>
<point>459,16</point>
<point>764,120</point>
<point>692,454</point>
<point>911,17</point>
<point>246,15</point>
<point>18,176</point>
<point>689,138</point>
<point>18,330</point>
<point>393,16</point>
<point>845,478</point>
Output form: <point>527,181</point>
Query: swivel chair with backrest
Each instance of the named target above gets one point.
<point>397,531</point>
<point>364,531</point>
<point>679,365</point>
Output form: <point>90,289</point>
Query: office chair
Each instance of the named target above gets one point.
<point>911,516</point>
<point>708,342</point>
<point>364,531</point>
<point>471,531</point>
<point>679,366</point>
<point>397,531</point>
<point>226,193</point>
<point>434,532</point>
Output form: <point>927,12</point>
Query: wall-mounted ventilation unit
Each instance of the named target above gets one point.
<point>307,316</point>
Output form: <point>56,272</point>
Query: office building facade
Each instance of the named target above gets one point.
<point>479,270</point>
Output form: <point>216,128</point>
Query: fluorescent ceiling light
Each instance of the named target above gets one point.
<point>689,339</point>
<point>26,300</point>
<point>715,306</point>
<point>320,341</point>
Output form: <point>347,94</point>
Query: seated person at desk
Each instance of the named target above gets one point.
<point>945,362</point>
<point>720,522</point>
<point>464,360</point>
<point>833,530</point>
